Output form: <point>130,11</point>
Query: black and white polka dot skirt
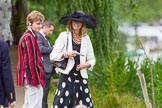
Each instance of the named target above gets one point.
<point>72,90</point>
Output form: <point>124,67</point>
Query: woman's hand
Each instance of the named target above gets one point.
<point>12,104</point>
<point>82,66</point>
<point>72,53</point>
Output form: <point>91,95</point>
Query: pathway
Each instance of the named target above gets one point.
<point>19,90</point>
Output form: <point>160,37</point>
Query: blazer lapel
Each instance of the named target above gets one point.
<point>83,45</point>
<point>69,36</point>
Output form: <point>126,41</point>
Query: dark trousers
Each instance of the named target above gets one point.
<point>46,90</point>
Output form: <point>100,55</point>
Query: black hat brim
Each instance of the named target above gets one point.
<point>64,20</point>
<point>90,21</point>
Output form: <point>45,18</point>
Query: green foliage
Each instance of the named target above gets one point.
<point>115,100</point>
<point>157,65</point>
<point>149,10</point>
<point>146,10</point>
<point>51,94</point>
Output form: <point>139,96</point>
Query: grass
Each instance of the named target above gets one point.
<point>51,94</point>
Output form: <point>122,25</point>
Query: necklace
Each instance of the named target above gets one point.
<point>76,38</point>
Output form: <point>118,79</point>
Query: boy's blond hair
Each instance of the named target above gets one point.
<point>33,17</point>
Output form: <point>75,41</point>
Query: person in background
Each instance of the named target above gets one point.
<point>73,82</point>
<point>30,67</point>
<point>7,90</point>
<point>46,49</point>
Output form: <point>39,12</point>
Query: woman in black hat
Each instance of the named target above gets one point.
<point>73,82</point>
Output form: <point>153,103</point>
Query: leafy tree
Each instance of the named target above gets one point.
<point>20,11</point>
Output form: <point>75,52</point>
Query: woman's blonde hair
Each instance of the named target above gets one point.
<point>33,17</point>
<point>83,30</point>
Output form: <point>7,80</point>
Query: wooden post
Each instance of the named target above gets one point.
<point>144,89</point>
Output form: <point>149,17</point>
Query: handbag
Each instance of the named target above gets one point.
<point>63,63</point>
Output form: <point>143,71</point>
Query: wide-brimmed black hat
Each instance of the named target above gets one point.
<point>89,20</point>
